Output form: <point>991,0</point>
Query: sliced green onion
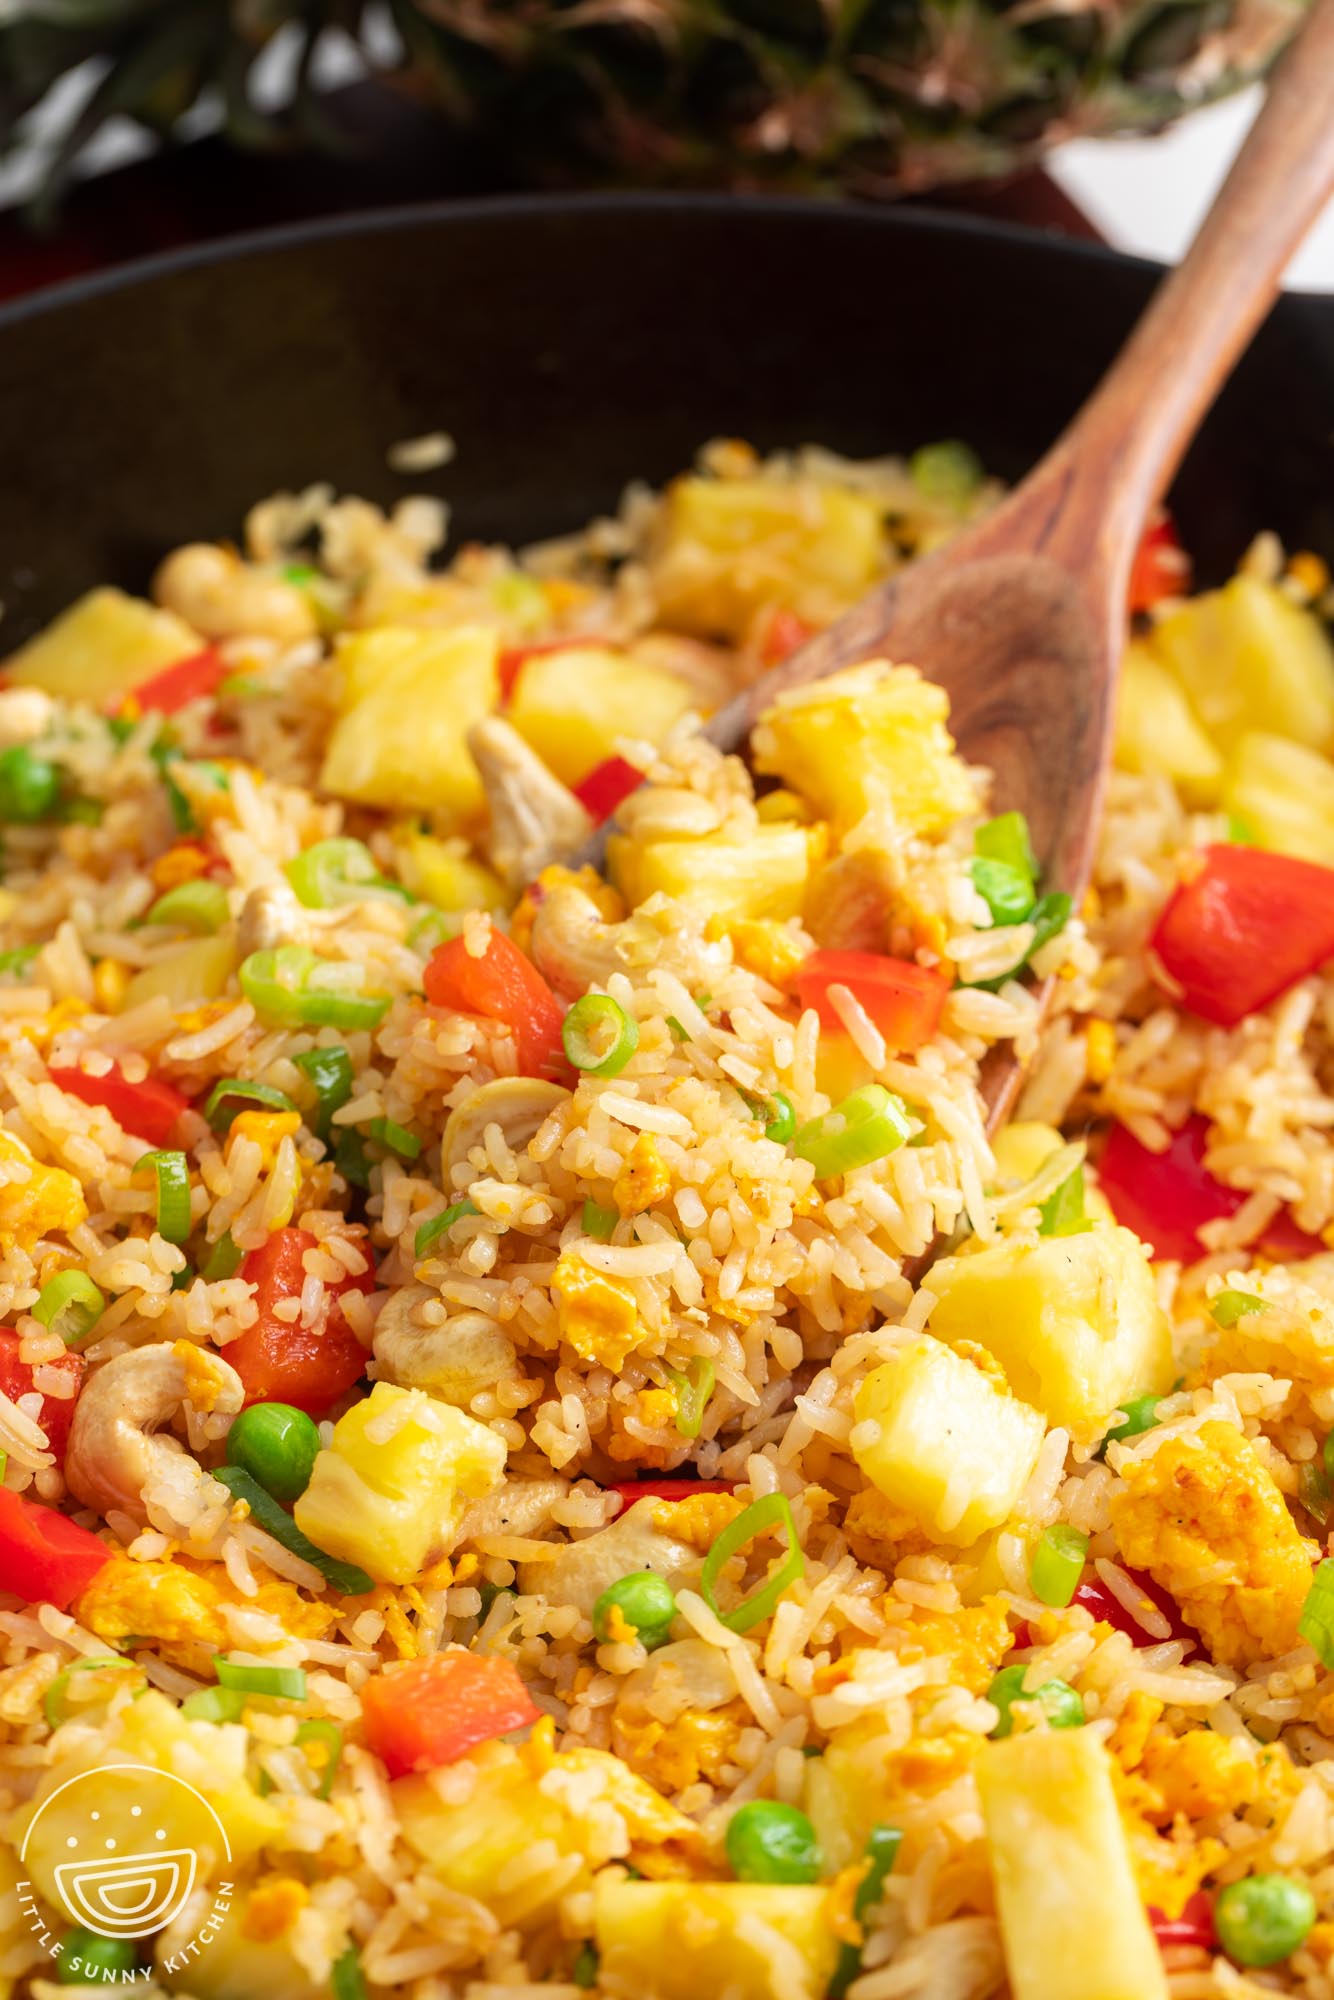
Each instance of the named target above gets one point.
<point>1316,1623</point>
<point>773,1511</point>
<point>234,1093</point>
<point>329,1072</point>
<point>1141,1414</point>
<point>1006,839</point>
<point>320,1730</point>
<point>182,812</point>
<point>293,987</point>
<point>433,928</point>
<point>173,1192</point>
<point>584,1972</point>
<point>431,1232</point>
<point>29,785</point>
<point>1062,1214</point>
<point>869,1125</point>
<point>346,1980</point>
<point>949,472</point>
<point>299,574</point>
<point>340,871</point>
<point>69,1304</point>
<point>693,1389</point>
<point>200,907</point>
<point>182,1280</point>
<point>678,1033</point>
<point>1007,894</point>
<point>219,1704</point>
<point>225,1259</point>
<point>882,1847</point>
<point>599,1036</point>
<point>242,687</point>
<point>53,1701</point>
<point>396,1137</point>
<point>351,1158</point>
<point>1229,1307</point>
<point>287,1683</point>
<point>1050,914</point>
<point>276,1521</point>
<point>783,1123</point>
<point>1058,1564</point>
<point>14,964</point>
<point>598,1222</point>
<point>1314,1491</point>
<point>1327,1455</point>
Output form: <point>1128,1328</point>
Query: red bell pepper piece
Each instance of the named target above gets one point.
<point>284,1361</point>
<point>1167,1197</point>
<point>904,1000</point>
<point>149,1109</point>
<point>1243,928</point>
<point>631,1490</point>
<point>784,633</point>
<point>504,986</point>
<point>607,785</point>
<point>1099,1602</point>
<point>45,1558</point>
<point>184,680</point>
<point>57,1412</point>
<point>1194,1926</point>
<point>430,1712</point>
<point>1161,567</point>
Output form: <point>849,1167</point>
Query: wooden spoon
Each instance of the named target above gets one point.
<point>1022,619</point>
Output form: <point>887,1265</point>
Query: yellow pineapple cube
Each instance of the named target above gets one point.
<point>575,704</point>
<point>1156,733</point>
<point>104,645</point>
<point>1249,658</point>
<point>1283,794</point>
<point>236,1962</point>
<point>873,735</point>
<point>678,1940</point>
<point>445,874</point>
<point>388,1491</point>
<point>728,548</point>
<point>409,700</point>
<point>762,876</point>
<point>199,971</point>
<point>1073,1320</point>
<point>950,1447</point>
<point>1070,1912</point>
<point>469,1844</point>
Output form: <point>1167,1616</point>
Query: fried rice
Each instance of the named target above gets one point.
<point>465,1317</point>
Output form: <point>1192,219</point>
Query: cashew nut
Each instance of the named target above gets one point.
<point>455,1361</point>
<point>534,819</point>
<point>225,598</point>
<point>115,1448</point>
<point>572,944</point>
<point>517,1104</point>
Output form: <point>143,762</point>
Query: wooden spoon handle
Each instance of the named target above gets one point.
<point>1118,457</point>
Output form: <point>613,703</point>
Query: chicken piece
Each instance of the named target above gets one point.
<point>1204,1518</point>
<point>535,819</point>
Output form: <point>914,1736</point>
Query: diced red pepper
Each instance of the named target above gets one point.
<point>149,1109</point>
<point>504,986</point>
<point>904,1000</point>
<point>57,1412</point>
<point>1166,1198</point>
<point>1100,1603</point>
<point>784,633</point>
<point>607,786</point>
<point>631,1490</point>
<point>45,1558</point>
<point>284,1361</point>
<point>430,1712</point>
<point>1243,928</point>
<point>1195,1925</point>
<point>185,680</point>
<point>1161,567</point>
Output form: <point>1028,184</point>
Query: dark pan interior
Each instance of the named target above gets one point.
<point>570,346</point>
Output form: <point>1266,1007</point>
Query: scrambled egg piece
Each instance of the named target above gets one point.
<point>1207,1522</point>
<point>597,1316</point>
<point>698,1520</point>
<point>879,1533</point>
<point>1199,1774</point>
<point>766,948</point>
<point>1168,1869</point>
<point>643,1180</point>
<point>672,1755</point>
<point>974,1641</point>
<point>273,1908</point>
<point>178,1605</point>
<point>48,1200</point>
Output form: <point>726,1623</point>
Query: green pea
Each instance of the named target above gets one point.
<point>1061,1705</point>
<point>770,1842</point>
<point>644,1600</point>
<point>29,785</point>
<point>276,1445</point>
<point>89,1960</point>
<point>1263,1919</point>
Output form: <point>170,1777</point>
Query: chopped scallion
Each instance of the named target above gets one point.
<point>225,1259</point>
<point>868,1125</point>
<point>173,1192</point>
<point>276,1521</point>
<point>287,1683</point>
<point>772,1511</point>
<point>69,1304</point>
<point>292,987</point>
<point>53,1701</point>
<point>346,1980</point>
<point>329,1072</point>
<point>598,1222</point>
<point>1062,1214</point>
<point>1229,1307</point>
<point>1316,1623</point>
<point>397,1138</point>
<point>219,1704</point>
<point>328,1738</point>
<point>333,872</point>
<point>1058,1564</point>
<point>200,907</point>
<point>440,1225</point>
<point>783,1124</point>
<point>882,1847</point>
<point>693,1389</point>
<point>599,1036</point>
<point>236,1093</point>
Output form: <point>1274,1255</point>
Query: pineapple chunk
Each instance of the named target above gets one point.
<point>443,872</point>
<point>727,548</point>
<point>470,1844</point>
<point>678,1940</point>
<point>873,735</point>
<point>1156,732</point>
<point>1248,658</point>
<point>101,647</point>
<point>198,971</point>
<point>574,705</point>
<point>235,1963</point>
<point>1284,794</point>
<point>1070,1912</point>
<point>1073,1320</point>
<point>409,700</point>
<point>727,880</point>
<point>388,1491</point>
<point>953,1450</point>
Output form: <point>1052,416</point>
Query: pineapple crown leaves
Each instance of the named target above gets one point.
<point>873,95</point>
